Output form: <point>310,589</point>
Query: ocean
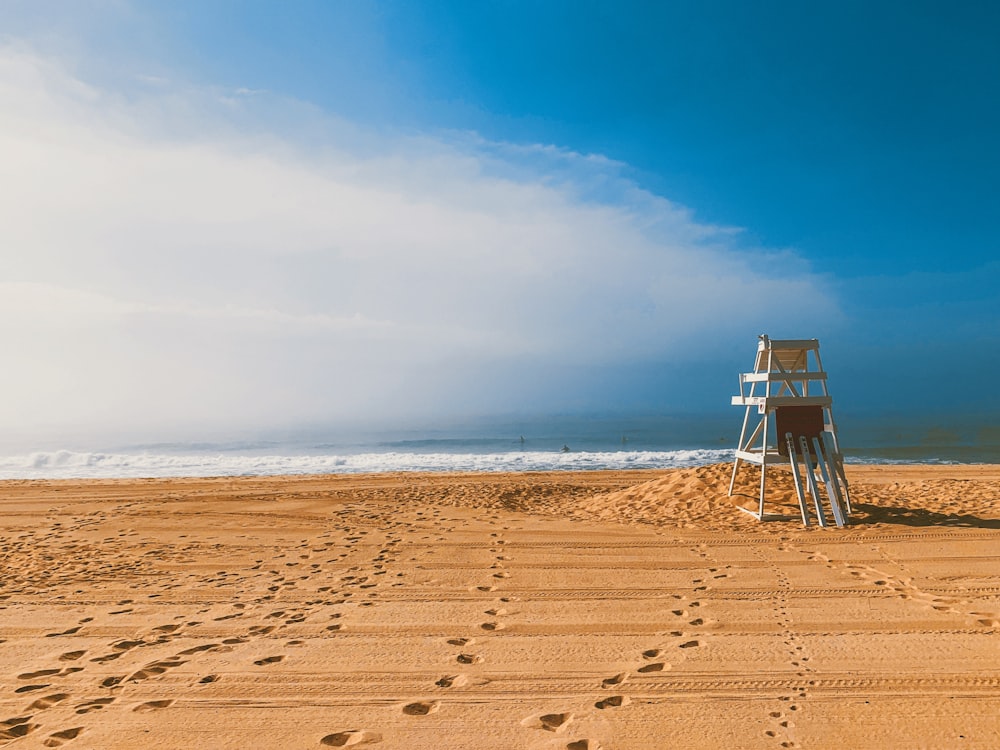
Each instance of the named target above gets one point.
<point>561,443</point>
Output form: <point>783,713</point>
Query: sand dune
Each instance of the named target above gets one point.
<point>556,610</point>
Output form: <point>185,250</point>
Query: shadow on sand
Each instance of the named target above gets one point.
<point>865,514</point>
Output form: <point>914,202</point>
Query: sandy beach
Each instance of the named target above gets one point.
<point>552,610</point>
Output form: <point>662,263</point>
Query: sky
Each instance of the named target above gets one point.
<point>226,217</point>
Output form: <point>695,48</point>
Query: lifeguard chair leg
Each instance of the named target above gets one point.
<point>831,492</point>
<point>836,469</point>
<point>794,461</point>
<point>763,465</point>
<point>811,481</point>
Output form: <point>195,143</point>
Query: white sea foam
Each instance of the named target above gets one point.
<point>73,465</point>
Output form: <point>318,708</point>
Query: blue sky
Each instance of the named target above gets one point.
<point>792,120</point>
<point>250,214</point>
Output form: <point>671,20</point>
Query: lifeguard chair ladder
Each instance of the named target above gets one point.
<point>787,373</point>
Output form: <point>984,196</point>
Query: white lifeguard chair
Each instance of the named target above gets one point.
<point>788,393</point>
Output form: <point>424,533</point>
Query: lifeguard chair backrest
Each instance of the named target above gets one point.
<point>787,356</point>
<point>801,421</point>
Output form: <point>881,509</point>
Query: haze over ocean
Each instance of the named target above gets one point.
<point>324,231</point>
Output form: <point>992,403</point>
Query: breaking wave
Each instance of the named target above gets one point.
<point>74,465</point>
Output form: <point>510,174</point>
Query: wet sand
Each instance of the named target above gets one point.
<point>552,610</point>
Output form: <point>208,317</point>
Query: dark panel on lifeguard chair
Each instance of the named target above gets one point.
<point>804,421</point>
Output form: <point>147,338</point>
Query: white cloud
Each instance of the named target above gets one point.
<point>176,258</point>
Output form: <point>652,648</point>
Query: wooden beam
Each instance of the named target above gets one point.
<point>788,344</point>
<point>773,402</point>
<point>761,377</point>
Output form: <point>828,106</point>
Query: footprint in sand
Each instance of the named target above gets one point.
<point>460,641</point>
<point>454,680</point>
<point>39,673</point>
<point>492,626</point>
<point>198,649</point>
<point>11,729</point>
<point>613,701</point>
<point>690,644</point>
<point>152,706</point>
<point>30,688</point>
<point>94,705</point>
<point>269,660</point>
<point>584,745</point>
<point>107,657</point>
<point>48,701</point>
<point>469,659</point>
<point>57,739</point>
<point>71,631</point>
<point>71,655</point>
<point>617,679</point>
<point>350,737</point>
<point>126,645</point>
<point>421,708</point>
<point>153,669</point>
<point>657,666</point>
<point>555,722</point>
